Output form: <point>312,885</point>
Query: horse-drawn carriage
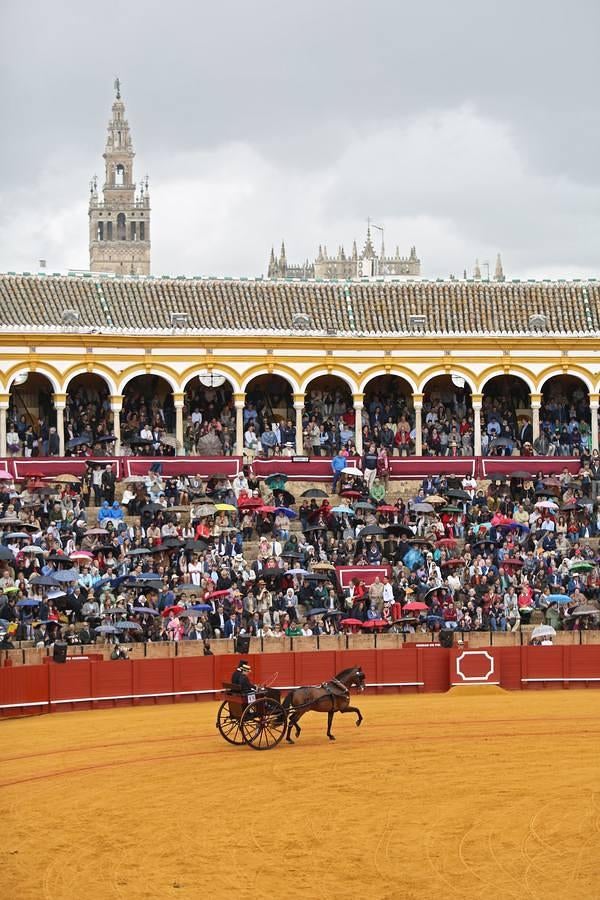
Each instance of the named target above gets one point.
<point>257,718</point>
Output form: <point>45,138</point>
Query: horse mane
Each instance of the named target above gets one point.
<point>346,672</point>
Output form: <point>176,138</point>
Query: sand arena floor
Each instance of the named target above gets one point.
<point>434,796</point>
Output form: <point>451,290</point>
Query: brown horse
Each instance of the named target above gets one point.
<point>330,697</point>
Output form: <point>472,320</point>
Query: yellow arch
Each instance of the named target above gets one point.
<point>376,371</point>
<point>516,370</point>
<point>98,369</point>
<point>154,369</point>
<point>231,375</point>
<point>278,369</point>
<point>575,370</point>
<point>338,371</point>
<point>52,374</point>
<point>438,370</point>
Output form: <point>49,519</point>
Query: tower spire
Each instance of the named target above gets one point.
<point>499,271</point>
<point>120,221</point>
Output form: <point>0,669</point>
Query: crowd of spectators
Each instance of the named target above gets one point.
<point>163,559</point>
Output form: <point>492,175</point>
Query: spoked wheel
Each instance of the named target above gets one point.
<point>264,723</point>
<point>228,725</point>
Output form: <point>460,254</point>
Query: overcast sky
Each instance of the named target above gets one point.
<point>465,128</point>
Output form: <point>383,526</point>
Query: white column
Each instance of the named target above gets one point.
<point>536,402</point>
<point>594,403</point>
<point>4,401</point>
<point>418,407</point>
<point>358,400</point>
<point>178,401</point>
<point>239,402</point>
<point>299,410</point>
<point>476,404</point>
<point>116,405</point>
<point>60,401</point>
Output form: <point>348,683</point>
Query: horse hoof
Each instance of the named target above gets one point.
<point>358,724</point>
<point>331,737</point>
<point>289,740</point>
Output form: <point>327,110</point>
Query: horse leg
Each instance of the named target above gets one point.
<point>356,710</point>
<point>291,724</point>
<point>329,724</point>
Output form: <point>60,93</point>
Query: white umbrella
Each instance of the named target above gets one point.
<point>546,504</point>
<point>542,631</point>
<point>352,470</point>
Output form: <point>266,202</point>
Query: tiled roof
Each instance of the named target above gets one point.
<point>262,306</point>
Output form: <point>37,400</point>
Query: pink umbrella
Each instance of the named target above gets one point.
<point>5,475</point>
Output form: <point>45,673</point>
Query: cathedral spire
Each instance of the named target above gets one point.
<point>499,272</point>
<point>120,221</point>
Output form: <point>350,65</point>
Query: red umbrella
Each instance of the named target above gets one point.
<point>499,519</point>
<point>216,594</point>
<point>173,609</point>
<point>512,562</point>
<point>375,623</point>
<point>352,622</point>
<point>34,473</point>
<point>351,494</point>
<point>266,509</point>
<point>249,502</point>
<point>453,563</point>
<point>415,606</point>
<point>446,542</point>
<point>386,508</point>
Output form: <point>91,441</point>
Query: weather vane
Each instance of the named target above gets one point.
<point>118,88</point>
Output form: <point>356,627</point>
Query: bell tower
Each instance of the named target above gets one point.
<point>120,220</point>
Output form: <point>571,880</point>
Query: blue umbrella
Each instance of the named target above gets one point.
<point>342,511</point>
<point>132,626</point>
<point>283,510</point>
<point>106,629</point>
<point>147,576</point>
<point>318,611</point>
<point>28,602</point>
<point>66,575</point>
<point>200,607</point>
<point>79,441</point>
<point>14,535</point>
<point>43,581</point>
<point>558,598</point>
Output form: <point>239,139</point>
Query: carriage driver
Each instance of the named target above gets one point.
<point>240,677</point>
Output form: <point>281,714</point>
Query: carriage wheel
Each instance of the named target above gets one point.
<point>264,723</point>
<point>228,725</point>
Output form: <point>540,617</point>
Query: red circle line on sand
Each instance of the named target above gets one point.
<point>78,770</point>
<point>195,737</point>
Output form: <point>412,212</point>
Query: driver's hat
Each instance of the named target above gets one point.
<point>244,665</point>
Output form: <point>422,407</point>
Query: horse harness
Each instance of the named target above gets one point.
<point>335,689</point>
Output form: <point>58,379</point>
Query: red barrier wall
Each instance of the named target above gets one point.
<point>87,684</point>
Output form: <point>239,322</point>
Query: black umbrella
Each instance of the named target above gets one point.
<point>79,441</point>
<point>139,551</point>
<point>140,442</point>
<point>399,530</point>
<point>313,493</point>
<point>152,508</point>
<point>284,498</point>
<point>105,439</point>
<point>191,544</point>
<point>371,529</point>
<point>292,554</point>
<point>526,476</point>
<point>43,581</point>
<point>318,611</point>
<point>308,528</point>
<point>458,495</point>
<point>501,442</point>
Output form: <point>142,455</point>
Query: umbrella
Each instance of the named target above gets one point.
<point>249,502</point>
<point>43,581</point>
<point>135,479</point>
<point>399,530</point>
<point>512,563</point>
<point>365,506</point>
<point>187,588</point>
<point>501,442</point>
<point>225,507</point>
<point>11,520</point>
<point>266,510</point>
<point>558,598</point>
<point>351,622</point>
<point>450,509</point>
<point>284,498</point>
<point>581,567</point>
<point>173,609</point>
<point>521,474</point>
<point>140,442</point>
<point>152,508</point>
<point>322,566</point>
<point>32,548</point>
<point>313,493</point>
<point>191,544</point>
<point>200,607</point>
<point>5,475</point>
<point>351,494</point>
<point>308,528</point>
<point>541,631</point>
<point>458,495</point>
<point>105,439</point>
<point>387,508</point>
<point>129,626</point>
<point>292,554</point>
<point>213,594</point>
<point>138,551</point>
<point>423,508</point>
<point>585,611</point>
<point>82,555</point>
<point>66,576</point>
<point>145,610</point>
<point>371,529</point>
<point>342,511</point>
<point>284,511</point>
<point>65,478</point>
<point>168,440</point>
<point>446,542</point>
<point>435,498</point>
<point>453,563</point>
<point>415,606</point>
<point>318,611</point>
<point>115,611</point>
<point>297,572</point>
<point>352,470</point>
<point>6,555</point>
<point>96,531</point>
<point>551,481</point>
<point>16,536</point>
<point>106,629</point>
<point>546,504</point>
<point>376,623</point>
<point>277,480</point>
<point>79,441</point>
<point>28,602</point>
